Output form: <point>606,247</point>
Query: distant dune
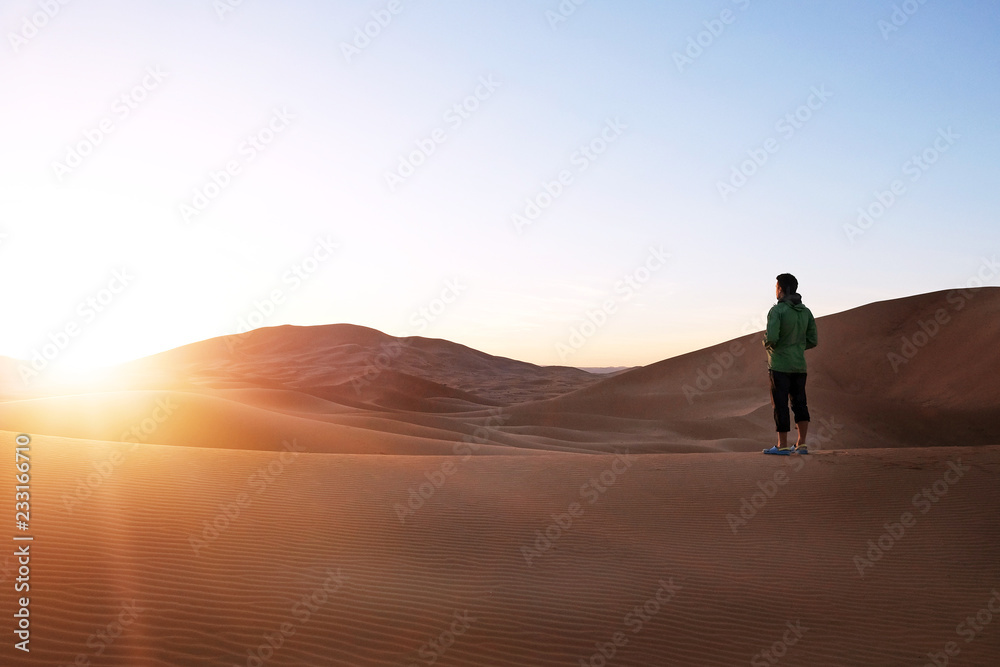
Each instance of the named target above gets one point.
<point>359,360</point>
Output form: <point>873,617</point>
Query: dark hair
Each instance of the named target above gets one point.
<point>788,283</point>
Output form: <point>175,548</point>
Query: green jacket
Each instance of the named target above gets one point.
<point>791,330</point>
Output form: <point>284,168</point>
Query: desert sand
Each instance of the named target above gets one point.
<point>335,496</point>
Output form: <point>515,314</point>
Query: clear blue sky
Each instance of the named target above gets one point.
<point>199,77</point>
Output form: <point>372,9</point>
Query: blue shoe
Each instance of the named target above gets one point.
<point>780,451</point>
<point>800,449</point>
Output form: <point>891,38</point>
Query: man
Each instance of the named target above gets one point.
<point>791,330</point>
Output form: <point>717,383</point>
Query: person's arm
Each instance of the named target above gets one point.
<point>773,331</point>
<point>811,337</point>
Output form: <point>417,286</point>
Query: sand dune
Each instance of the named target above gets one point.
<point>868,380</point>
<point>203,554</point>
<point>335,496</point>
<point>362,360</point>
<point>916,371</point>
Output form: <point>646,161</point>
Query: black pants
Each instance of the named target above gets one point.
<point>783,387</point>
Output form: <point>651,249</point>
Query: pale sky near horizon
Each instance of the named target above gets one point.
<point>117,115</point>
